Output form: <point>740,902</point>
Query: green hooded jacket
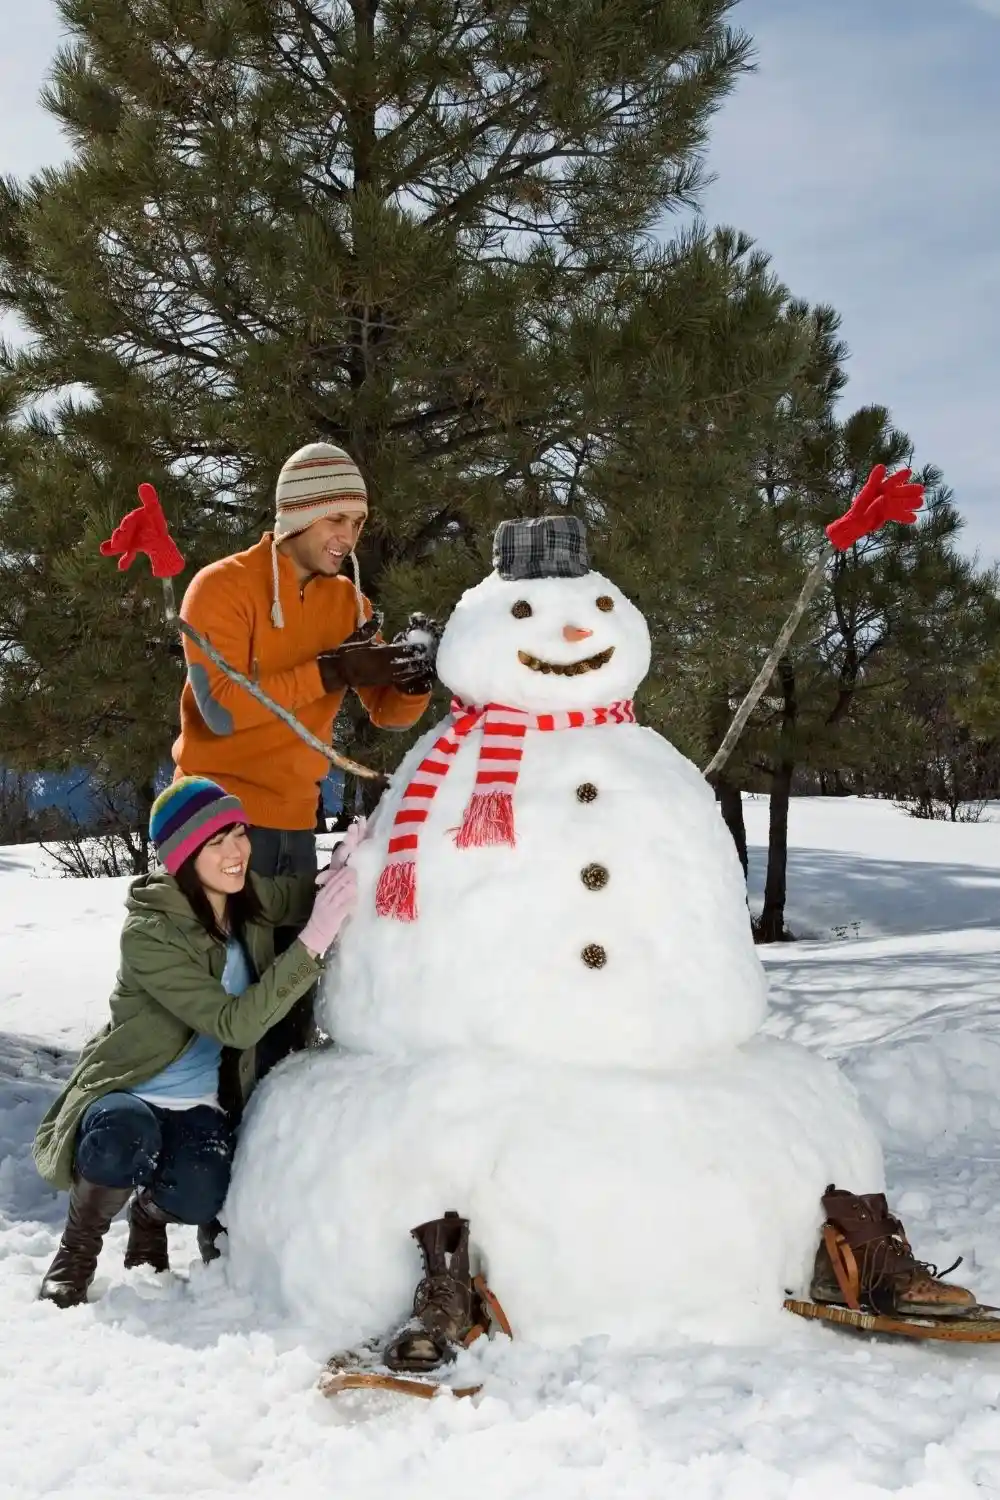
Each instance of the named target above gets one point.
<point>169,990</point>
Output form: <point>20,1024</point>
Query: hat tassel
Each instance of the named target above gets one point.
<point>358,595</point>
<point>277,617</point>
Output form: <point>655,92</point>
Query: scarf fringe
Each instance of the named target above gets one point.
<point>489,819</point>
<point>396,893</point>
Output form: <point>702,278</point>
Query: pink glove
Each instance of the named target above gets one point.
<point>335,902</point>
<point>342,853</point>
<point>885,497</point>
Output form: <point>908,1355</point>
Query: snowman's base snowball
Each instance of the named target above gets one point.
<point>642,1207</point>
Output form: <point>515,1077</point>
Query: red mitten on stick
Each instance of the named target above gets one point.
<point>145,530</point>
<point>883,498</point>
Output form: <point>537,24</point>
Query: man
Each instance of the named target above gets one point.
<point>281,614</point>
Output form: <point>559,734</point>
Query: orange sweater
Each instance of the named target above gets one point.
<point>231,738</point>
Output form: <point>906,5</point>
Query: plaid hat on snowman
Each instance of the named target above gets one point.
<point>541,547</point>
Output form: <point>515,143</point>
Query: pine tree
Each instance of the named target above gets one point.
<point>876,631</point>
<point>933,738</point>
<point>730,592</point>
<point>423,231</point>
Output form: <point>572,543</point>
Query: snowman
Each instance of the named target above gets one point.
<point>547,1017</point>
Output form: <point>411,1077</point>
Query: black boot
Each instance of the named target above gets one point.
<point>91,1209</point>
<point>147,1233</point>
<point>207,1236</point>
<point>444,1300</point>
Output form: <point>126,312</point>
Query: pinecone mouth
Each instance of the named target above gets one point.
<point>568,669</point>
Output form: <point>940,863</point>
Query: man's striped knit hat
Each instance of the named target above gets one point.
<point>318,480</point>
<point>191,811</point>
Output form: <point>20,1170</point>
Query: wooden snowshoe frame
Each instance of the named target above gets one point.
<point>980,1327</point>
<point>337,1378</point>
<point>333,1382</point>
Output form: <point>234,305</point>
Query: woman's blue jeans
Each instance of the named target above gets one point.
<point>184,1156</point>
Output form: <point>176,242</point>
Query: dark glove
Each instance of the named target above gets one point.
<point>365,632</point>
<point>418,680</point>
<point>360,664</point>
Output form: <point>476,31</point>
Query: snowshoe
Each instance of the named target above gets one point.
<point>867,1277</point>
<point>365,1369</point>
<point>451,1309</point>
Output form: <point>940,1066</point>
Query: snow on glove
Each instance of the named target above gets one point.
<point>343,851</point>
<point>335,902</point>
<point>423,633</point>
<point>145,530</point>
<point>883,498</point>
<point>423,636</point>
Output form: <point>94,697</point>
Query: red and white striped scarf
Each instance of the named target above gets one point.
<point>489,816</point>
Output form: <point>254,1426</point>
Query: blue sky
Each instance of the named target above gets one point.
<point>863,155</point>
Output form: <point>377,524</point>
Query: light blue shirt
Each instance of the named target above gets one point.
<point>193,1078</point>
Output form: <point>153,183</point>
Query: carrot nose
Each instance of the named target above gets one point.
<point>574,633</point>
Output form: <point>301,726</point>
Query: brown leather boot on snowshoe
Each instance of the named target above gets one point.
<point>878,1270</point>
<point>147,1233</point>
<point>91,1209</point>
<point>443,1307</point>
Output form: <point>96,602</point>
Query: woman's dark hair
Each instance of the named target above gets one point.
<point>242,908</point>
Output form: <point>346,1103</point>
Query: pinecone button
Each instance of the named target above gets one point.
<point>594,956</point>
<point>595,877</point>
<point>586,792</point>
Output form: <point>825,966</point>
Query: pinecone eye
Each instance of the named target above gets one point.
<point>606,603</point>
<point>521,610</point>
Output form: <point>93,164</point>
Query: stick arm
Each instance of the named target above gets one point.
<point>248,685</point>
<point>777,651</point>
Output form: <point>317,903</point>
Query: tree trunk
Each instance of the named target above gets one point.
<point>770,926</point>
<point>730,802</point>
<point>142,856</point>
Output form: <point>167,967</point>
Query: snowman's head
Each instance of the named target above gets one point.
<point>544,644</point>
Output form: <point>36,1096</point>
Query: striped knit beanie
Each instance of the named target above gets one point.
<point>318,480</point>
<point>190,812</point>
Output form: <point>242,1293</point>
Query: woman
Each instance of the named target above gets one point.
<point>146,1114</point>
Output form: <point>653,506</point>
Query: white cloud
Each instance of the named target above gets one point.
<point>988,7</point>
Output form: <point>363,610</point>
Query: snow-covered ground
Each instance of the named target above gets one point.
<point>177,1386</point>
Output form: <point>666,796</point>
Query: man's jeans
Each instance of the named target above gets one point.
<point>277,851</point>
<point>183,1156</point>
